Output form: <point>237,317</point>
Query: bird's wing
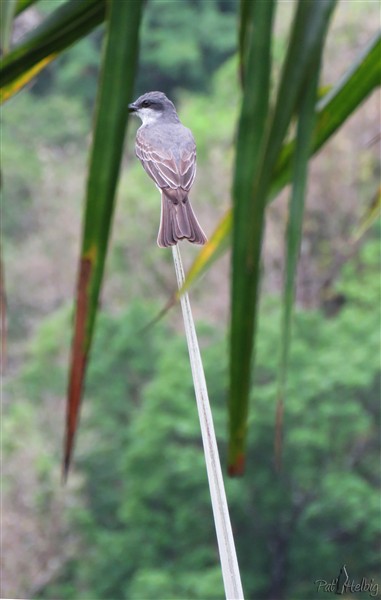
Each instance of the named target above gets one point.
<point>187,167</point>
<point>161,165</point>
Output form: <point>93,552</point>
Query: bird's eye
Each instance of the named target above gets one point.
<point>146,103</point>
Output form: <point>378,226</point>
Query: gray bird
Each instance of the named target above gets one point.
<point>167,152</point>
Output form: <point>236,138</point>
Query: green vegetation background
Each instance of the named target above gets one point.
<point>135,521</point>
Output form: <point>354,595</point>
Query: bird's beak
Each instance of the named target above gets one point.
<point>132,108</point>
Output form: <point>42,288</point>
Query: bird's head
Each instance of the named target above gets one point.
<point>153,106</point>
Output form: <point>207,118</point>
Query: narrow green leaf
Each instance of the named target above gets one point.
<point>66,25</point>
<point>9,90</point>
<point>244,33</point>
<point>247,222</point>
<point>311,20</point>
<point>7,13</point>
<point>305,127</point>
<point>114,93</point>
<point>254,167</point>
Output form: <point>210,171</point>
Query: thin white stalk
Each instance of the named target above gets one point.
<point>228,556</point>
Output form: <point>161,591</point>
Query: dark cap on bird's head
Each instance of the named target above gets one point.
<point>155,101</point>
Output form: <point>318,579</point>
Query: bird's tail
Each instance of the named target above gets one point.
<point>178,222</point>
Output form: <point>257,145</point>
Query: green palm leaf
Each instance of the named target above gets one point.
<point>294,230</point>
<point>254,166</point>
<point>114,93</point>
<point>66,25</point>
<point>247,219</point>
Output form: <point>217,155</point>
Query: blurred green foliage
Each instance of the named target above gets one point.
<point>58,126</point>
<point>145,523</point>
<point>202,36</point>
